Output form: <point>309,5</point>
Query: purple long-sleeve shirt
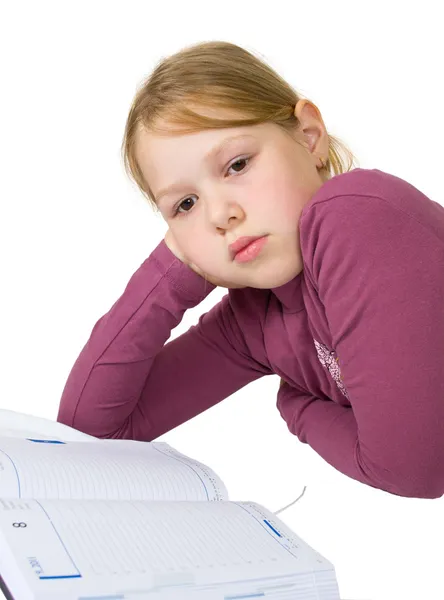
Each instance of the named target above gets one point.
<point>357,336</point>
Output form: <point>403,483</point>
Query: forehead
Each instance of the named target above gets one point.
<point>152,148</point>
<point>199,140</point>
<point>172,133</point>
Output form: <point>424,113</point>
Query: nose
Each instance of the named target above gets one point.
<point>222,213</point>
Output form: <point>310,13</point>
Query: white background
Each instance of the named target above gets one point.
<point>74,229</point>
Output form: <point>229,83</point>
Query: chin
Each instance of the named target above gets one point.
<point>274,280</point>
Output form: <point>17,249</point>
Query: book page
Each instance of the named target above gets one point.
<point>107,469</point>
<point>136,549</point>
<point>23,425</point>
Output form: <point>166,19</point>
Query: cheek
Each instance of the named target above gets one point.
<point>193,243</point>
<point>292,211</point>
<point>281,202</point>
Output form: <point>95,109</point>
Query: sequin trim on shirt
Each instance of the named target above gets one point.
<point>330,361</point>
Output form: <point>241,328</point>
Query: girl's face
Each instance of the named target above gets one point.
<point>255,184</point>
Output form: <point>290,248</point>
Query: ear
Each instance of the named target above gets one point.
<point>312,127</point>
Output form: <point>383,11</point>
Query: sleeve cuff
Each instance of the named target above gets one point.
<point>185,281</point>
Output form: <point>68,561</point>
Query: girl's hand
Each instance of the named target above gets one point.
<point>172,245</point>
<point>170,241</point>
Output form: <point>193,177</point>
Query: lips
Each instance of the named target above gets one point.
<point>241,243</point>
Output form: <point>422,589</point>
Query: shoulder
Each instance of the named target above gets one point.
<point>358,200</point>
<point>367,221</point>
<point>367,184</point>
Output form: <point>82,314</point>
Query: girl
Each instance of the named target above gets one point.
<point>335,279</point>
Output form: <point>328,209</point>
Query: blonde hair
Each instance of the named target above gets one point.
<point>221,75</point>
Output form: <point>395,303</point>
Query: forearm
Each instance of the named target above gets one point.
<point>108,377</point>
<point>332,431</point>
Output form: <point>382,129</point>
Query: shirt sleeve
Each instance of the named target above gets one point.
<point>379,273</point>
<point>129,383</point>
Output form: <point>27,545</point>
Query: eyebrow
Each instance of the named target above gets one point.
<point>211,155</point>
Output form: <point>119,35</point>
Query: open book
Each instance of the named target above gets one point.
<point>127,520</point>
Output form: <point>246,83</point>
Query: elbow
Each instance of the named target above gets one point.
<point>409,477</point>
<point>93,425</point>
<point>423,487</point>
<point>65,416</point>
<point>420,479</point>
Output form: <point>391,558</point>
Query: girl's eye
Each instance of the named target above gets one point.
<point>239,161</point>
<point>182,204</point>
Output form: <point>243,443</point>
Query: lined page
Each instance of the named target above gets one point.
<point>108,469</point>
<point>160,546</point>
